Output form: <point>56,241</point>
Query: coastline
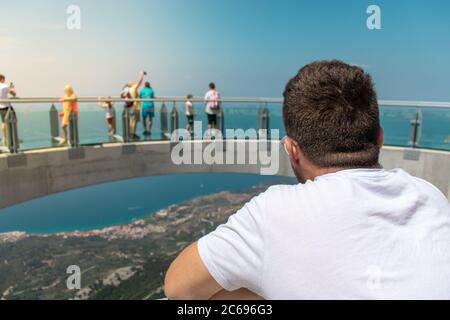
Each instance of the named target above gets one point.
<point>120,262</point>
<point>119,203</point>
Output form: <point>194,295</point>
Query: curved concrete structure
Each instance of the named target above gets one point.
<point>39,173</point>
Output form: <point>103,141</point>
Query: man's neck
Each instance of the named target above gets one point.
<point>316,172</point>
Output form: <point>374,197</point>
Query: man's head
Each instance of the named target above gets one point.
<point>332,121</point>
<point>2,78</point>
<point>212,86</point>
<point>147,85</point>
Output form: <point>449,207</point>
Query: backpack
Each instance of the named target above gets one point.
<point>214,102</point>
<point>126,95</point>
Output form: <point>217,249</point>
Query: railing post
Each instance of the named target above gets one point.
<point>12,136</point>
<point>263,121</point>
<point>258,118</point>
<point>126,125</point>
<point>114,122</point>
<point>54,123</point>
<point>164,121</point>
<point>221,122</point>
<point>174,119</point>
<point>414,133</point>
<point>74,140</point>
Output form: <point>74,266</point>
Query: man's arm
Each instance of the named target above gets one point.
<point>102,104</point>
<point>241,295</point>
<point>188,278</point>
<point>225,262</point>
<point>141,79</point>
<point>72,99</point>
<point>13,92</point>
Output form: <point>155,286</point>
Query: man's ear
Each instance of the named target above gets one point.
<point>293,151</point>
<point>381,138</point>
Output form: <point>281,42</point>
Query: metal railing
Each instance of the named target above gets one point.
<point>170,120</point>
<point>396,103</point>
<point>165,99</point>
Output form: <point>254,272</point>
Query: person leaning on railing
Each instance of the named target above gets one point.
<point>349,230</point>
<point>110,114</point>
<point>70,104</point>
<point>5,91</point>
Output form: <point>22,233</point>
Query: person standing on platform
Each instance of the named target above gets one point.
<point>5,91</point>
<point>212,102</point>
<point>148,108</point>
<point>70,104</point>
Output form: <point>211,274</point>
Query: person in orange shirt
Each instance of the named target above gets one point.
<point>69,101</point>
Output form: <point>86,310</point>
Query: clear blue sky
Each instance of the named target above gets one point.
<point>249,47</point>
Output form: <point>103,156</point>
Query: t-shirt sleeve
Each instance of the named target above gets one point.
<point>233,254</point>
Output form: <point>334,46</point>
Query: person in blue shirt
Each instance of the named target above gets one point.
<point>148,108</point>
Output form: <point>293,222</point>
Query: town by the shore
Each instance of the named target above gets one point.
<point>119,262</point>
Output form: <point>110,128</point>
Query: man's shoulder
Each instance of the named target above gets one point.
<point>426,187</point>
<point>282,189</point>
<point>277,195</point>
<point>281,201</point>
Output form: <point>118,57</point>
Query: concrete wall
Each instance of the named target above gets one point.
<point>40,173</point>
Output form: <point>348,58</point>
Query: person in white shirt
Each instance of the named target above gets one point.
<point>5,91</point>
<point>349,230</point>
<point>190,113</point>
<point>213,103</point>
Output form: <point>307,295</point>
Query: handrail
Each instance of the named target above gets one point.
<point>420,104</point>
<point>157,99</point>
<point>387,103</point>
<point>12,141</point>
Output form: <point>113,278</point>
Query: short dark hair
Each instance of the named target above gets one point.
<point>147,85</point>
<point>331,110</point>
<point>189,96</point>
<point>212,86</point>
<point>2,77</point>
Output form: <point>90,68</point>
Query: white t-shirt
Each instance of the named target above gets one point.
<point>189,108</point>
<point>4,91</point>
<point>355,234</point>
<point>212,97</point>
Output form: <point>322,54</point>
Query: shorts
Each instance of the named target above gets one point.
<point>3,112</point>
<point>135,115</point>
<point>66,119</point>
<point>212,119</point>
<point>110,121</point>
<point>148,113</point>
<point>190,119</point>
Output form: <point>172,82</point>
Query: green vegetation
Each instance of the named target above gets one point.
<point>35,267</point>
